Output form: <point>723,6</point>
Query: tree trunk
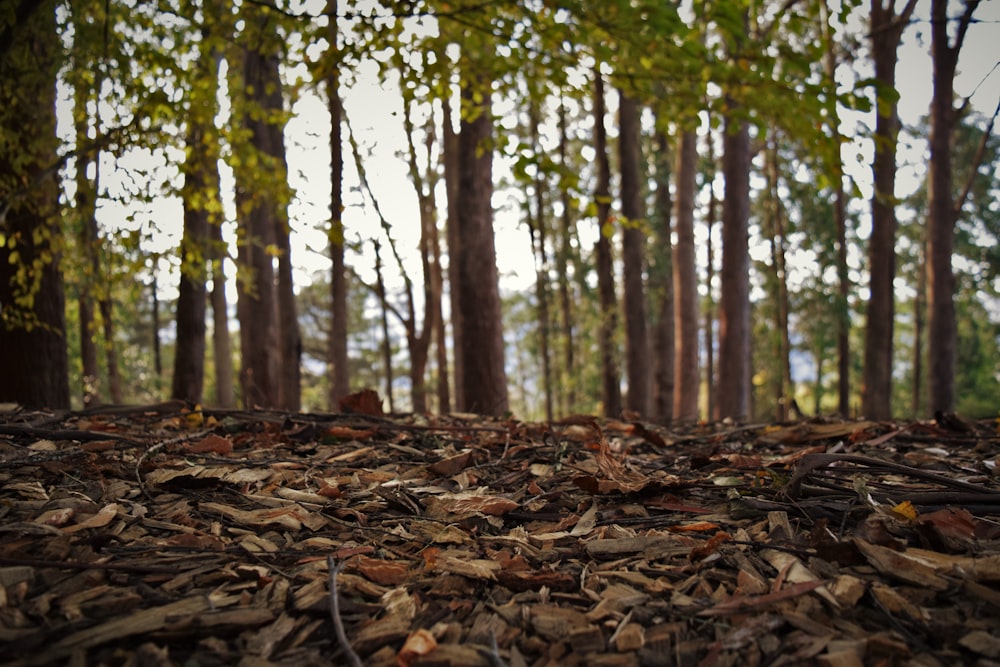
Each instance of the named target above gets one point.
<point>337,360</point>
<point>110,349</point>
<point>776,214</point>
<point>662,284</point>
<point>221,345</point>
<point>33,359</point>
<point>876,388</point>
<point>840,220</point>
<point>451,177</point>
<point>189,355</point>
<point>610,383</point>
<point>942,331</point>
<point>384,321</point>
<point>569,383</point>
<point>633,257</point>
<point>536,227</point>
<point>734,306</point>
<point>710,384</point>
<point>484,380</point>
<point>686,378</point>
<point>87,233</point>
<point>256,201</point>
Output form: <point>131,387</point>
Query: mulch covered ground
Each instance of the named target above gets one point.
<point>162,536</point>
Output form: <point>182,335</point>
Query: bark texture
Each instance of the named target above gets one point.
<point>484,380</point>
<point>633,257</point>
<point>876,388</point>
<point>686,377</point>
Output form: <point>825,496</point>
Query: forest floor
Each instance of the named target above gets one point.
<point>154,536</point>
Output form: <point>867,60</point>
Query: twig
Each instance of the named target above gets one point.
<point>157,447</point>
<point>338,625</point>
<point>492,653</point>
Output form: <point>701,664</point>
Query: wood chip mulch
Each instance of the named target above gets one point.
<point>162,535</point>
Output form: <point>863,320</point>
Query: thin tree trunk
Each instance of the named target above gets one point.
<point>337,360</point>
<point>110,350</point>
<point>664,361</point>
<point>710,384</point>
<point>919,322</point>
<point>484,381</point>
<point>536,227</point>
<point>87,234</point>
<point>569,385</point>
<point>221,344</point>
<point>783,384</point>
<point>840,220</point>
<point>610,382</point>
<point>942,330</point>
<point>386,340</point>
<point>633,256</point>
<point>734,311</point>
<point>155,293</point>
<point>451,178</point>
<point>876,389</point>
<point>686,378</point>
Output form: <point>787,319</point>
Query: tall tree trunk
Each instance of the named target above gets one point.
<point>337,360</point>
<point>484,381</point>
<point>536,227</point>
<point>919,324</point>
<point>256,201</point>
<point>384,321</point>
<point>87,239</point>
<point>876,388</point>
<point>710,380</point>
<point>687,380</point>
<point>662,284</point>
<point>633,256</point>
<point>569,383</point>
<point>942,331</point>
<point>34,363</point>
<point>451,178</point>
<point>189,355</point>
<point>110,349</point>
<point>610,382</point>
<point>221,346</point>
<point>733,396</point>
<point>840,220</point>
<point>783,381</point>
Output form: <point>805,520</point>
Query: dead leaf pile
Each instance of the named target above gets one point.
<point>173,536</point>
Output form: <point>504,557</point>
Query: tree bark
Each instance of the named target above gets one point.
<point>840,221</point>
<point>610,382</point>
<point>221,344</point>
<point>942,331</point>
<point>686,378</point>
<point>569,373</point>
<point>633,257</point>
<point>876,388</point>
<point>256,201</point>
<point>484,380</point>
<point>733,399</point>
<point>449,146</point>
<point>536,228</point>
<point>662,285</point>
<point>87,233</point>
<point>33,359</point>
<point>337,359</point>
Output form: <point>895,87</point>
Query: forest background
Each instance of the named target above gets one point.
<point>694,209</point>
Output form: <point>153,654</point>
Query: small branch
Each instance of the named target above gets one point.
<point>338,625</point>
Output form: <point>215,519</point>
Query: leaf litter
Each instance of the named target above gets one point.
<point>171,535</point>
